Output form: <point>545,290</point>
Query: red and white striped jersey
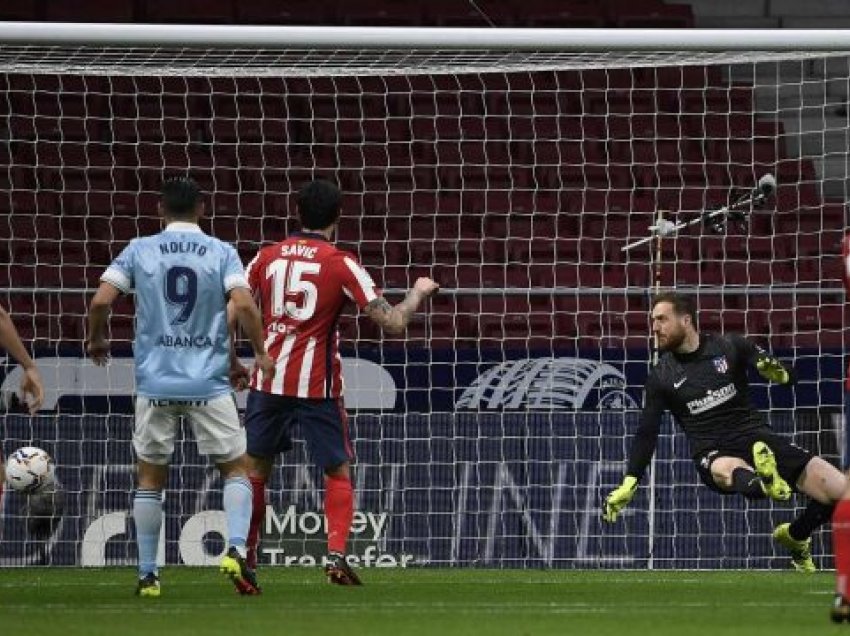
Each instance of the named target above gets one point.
<point>301,285</point>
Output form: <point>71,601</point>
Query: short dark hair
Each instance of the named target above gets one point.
<point>682,305</point>
<point>180,195</point>
<point>318,204</point>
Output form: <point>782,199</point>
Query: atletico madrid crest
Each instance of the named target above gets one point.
<point>721,364</point>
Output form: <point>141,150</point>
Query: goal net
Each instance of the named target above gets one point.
<point>488,434</point>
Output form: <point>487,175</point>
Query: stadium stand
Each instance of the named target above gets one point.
<point>543,191</point>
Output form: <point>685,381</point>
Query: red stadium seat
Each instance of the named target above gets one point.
<point>546,13</point>
<point>291,12</point>
<point>89,11</point>
<point>23,10</point>
<point>379,13</point>
<point>188,11</point>
<point>448,13</point>
<point>638,16</point>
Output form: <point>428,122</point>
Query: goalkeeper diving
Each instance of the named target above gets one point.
<point>702,380</point>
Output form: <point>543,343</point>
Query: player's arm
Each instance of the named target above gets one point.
<point>247,315</point>
<point>117,279</point>
<point>240,376</point>
<point>395,318</point>
<point>101,305</point>
<point>640,454</point>
<point>31,385</point>
<point>769,367</point>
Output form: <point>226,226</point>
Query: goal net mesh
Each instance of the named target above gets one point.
<point>489,433</point>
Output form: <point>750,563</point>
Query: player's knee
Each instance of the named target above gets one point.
<point>722,479</point>
<point>837,488</point>
<point>340,471</point>
<point>259,467</point>
<point>152,471</point>
<point>231,464</point>
<point>835,484</point>
<point>722,470</point>
<point>227,453</point>
<point>823,482</point>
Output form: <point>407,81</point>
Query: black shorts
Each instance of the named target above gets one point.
<point>791,460</point>
<point>270,421</point>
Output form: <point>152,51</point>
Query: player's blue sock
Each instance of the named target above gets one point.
<point>238,496</point>
<point>147,514</point>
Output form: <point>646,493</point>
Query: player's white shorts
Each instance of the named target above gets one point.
<point>215,425</point>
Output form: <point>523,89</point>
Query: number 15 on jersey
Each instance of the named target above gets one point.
<point>291,295</point>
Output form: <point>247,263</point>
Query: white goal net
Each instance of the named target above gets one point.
<point>489,434</point>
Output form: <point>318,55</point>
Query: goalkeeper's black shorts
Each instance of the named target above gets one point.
<point>791,459</point>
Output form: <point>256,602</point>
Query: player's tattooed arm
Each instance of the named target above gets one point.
<point>380,305</point>
<point>394,319</point>
<point>390,319</point>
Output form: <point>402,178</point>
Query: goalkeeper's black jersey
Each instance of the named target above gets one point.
<point>706,391</point>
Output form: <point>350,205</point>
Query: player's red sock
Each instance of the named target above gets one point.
<point>339,509</point>
<point>841,545</point>
<point>258,515</point>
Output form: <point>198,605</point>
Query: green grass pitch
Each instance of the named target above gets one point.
<point>420,601</point>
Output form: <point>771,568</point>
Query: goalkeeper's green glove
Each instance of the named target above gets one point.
<point>771,369</point>
<point>619,498</point>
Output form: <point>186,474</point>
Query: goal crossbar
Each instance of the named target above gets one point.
<point>319,37</point>
<point>311,51</point>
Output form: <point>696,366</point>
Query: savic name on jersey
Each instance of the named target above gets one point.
<point>302,285</point>
<point>300,250</point>
<point>712,399</point>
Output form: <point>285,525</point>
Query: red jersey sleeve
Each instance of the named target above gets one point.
<point>845,261</point>
<point>356,282</point>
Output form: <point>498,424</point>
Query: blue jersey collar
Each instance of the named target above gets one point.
<point>182,226</point>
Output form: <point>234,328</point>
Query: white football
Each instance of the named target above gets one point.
<point>29,469</point>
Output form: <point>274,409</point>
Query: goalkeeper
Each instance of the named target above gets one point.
<point>702,380</point>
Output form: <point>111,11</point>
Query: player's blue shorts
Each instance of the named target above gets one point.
<point>271,419</point>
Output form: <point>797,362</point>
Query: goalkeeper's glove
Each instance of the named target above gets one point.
<point>619,498</point>
<point>771,369</point>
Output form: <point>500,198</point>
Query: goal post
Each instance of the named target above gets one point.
<point>511,165</point>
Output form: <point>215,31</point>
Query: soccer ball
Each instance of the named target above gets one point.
<point>29,469</point>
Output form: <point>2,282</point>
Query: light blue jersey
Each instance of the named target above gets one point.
<point>181,277</point>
